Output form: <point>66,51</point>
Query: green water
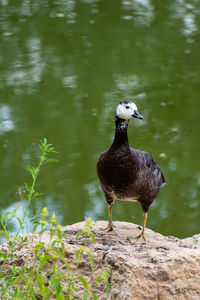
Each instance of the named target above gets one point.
<point>65,65</point>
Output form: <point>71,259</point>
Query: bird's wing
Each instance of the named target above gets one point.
<point>147,164</point>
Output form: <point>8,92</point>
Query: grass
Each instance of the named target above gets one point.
<point>45,272</point>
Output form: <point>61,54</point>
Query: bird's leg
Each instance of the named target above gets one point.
<point>140,238</point>
<point>142,235</point>
<point>110,226</point>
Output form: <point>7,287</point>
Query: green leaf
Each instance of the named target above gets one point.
<point>25,239</point>
<point>38,212</point>
<point>78,234</point>
<point>67,265</point>
<point>3,254</point>
<point>63,259</point>
<point>20,222</point>
<point>91,259</point>
<point>78,254</point>
<point>93,237</point>
<point>40,281</point>
<point>58,288</point>
<point>35,227</point>
<point>4,216</point>
<point>65,235</point>
<point>45,259</point>
<point>53,243</point>
<point>38,246</point>
<point>18,279</point>
<point>59,253</point>
<point>85,295</point>
<point>45,292</point>
<point>107,287</point>
<point>60,297</point>
<point>5,233</point>
<point>42,231</point>
<point>95,297</point>
<point>84,282</point>
<point>49,160</point>
<point>63,248</point>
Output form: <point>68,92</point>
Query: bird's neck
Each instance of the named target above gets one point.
<point>121,137</point>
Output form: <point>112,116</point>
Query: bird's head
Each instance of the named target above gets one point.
<point>127,110</point>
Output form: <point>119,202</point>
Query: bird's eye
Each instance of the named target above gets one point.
<point>127,107</point>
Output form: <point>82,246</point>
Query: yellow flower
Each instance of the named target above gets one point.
<point>44,212</point>
<point>43,222</point>
<point>53,219</point>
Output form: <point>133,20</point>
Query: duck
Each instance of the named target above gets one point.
<point>128,174</point>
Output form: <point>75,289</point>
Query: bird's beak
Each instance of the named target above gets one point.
<point>137,115</point>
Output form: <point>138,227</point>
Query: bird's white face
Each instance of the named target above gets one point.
<point>127,110</point>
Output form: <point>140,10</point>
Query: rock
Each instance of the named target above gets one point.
<point>162,268</point>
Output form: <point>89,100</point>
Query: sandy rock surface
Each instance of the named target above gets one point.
<point>163,268</point>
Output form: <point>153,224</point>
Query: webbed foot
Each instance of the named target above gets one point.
<point>140,239</point>
<point>108,230</point>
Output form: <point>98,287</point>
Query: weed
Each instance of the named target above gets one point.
<point>45,272</point>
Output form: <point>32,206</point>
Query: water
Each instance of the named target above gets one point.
<point>65,65</point>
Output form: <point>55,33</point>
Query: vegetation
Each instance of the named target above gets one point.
<point>45,272</point>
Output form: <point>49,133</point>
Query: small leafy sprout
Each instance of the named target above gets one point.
<point>104,276</point>
<point>87,231</point>
<point>30,192</point>
<point>79,254</point>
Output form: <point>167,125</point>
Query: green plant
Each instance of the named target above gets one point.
<point>45,272</point>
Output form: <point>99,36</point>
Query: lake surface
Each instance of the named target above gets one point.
<point>65,65</point>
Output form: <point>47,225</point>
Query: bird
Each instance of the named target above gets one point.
<point>128,174</point>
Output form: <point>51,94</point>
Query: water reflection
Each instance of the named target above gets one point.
<point>141,11</point>
<point>6,122</point>
<point>64,67</point>
<point>188,13</point>
<point>70,81</point>
<point>189,22</point>
<point>96,207</point>
<point>27,69</point>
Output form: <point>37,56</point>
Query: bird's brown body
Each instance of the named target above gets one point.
<point>128,174</point>
<point>136,178</point>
